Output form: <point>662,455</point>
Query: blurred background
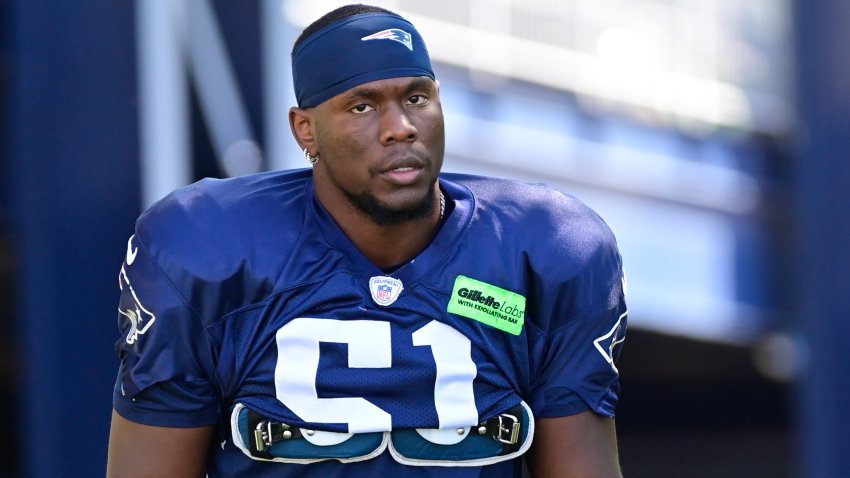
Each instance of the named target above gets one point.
<point>712,135</point>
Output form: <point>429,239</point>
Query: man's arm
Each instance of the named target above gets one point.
<point>142,451</point>
<point>577,446</point>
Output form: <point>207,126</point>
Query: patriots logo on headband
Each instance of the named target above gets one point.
<point>393,34</point>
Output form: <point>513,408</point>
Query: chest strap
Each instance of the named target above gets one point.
<point>504,428</point>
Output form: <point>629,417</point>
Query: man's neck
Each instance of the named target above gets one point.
<point>385,245</point>
<point>388,245</point>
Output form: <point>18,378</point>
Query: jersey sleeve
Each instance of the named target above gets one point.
<point>577,355</point>
<point>166,368</point>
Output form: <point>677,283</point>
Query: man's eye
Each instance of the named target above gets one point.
<point>418,99</point>
<point>362,108</point>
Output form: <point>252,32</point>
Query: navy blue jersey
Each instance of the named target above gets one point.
<point>244,295</point>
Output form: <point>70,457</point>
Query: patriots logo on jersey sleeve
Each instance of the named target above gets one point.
<point>393,34</point>
<point>130,307</point>
<point>609,344</point>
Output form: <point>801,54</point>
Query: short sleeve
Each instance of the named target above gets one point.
<point>166,373</point>
<point>577,369</point>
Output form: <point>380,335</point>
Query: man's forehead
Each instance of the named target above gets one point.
<point>389,86</point>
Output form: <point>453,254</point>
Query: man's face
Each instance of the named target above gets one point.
<point>381,146</point>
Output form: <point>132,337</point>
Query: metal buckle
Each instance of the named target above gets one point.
<point>510,429</point>
<point>267,432</point>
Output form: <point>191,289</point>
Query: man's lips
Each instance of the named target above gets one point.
<point>403,170</point>
<point>403,174</point>
<point>402,165</point>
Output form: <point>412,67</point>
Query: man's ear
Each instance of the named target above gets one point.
<point>301,123</point>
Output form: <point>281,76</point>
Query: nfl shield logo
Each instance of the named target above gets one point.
<point>385,290</point>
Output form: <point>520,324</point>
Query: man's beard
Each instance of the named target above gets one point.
<point>384,215</point>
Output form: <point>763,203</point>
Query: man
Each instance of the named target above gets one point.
<point>368,317</point>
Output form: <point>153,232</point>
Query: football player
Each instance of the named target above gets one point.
<point>367,316</point>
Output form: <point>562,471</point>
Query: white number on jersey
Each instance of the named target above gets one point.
<point>369,346</point>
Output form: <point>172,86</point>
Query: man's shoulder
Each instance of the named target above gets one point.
<point>221,195</point>
<point>552,227</point>
<point>242,199</point>
<point>214,218</point>
<point>527,203</point>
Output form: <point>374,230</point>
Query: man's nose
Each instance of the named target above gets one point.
<point>396,125</point>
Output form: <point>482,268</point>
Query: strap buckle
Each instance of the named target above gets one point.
<point>269,432</point>
<point>508,431</point>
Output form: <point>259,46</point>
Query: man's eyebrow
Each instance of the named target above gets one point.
<point>371,93</point>
<point>363,93</point>
<point>420,84</point>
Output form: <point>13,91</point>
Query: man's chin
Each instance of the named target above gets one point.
<point>385,214</point>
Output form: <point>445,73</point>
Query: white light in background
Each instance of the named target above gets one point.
<point>665,62</point>
<point>241,158</point>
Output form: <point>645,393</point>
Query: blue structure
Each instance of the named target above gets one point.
<point>823,219</point>
<point>75,195</point>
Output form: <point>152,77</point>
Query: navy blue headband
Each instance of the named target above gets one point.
<point>357,50</point>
